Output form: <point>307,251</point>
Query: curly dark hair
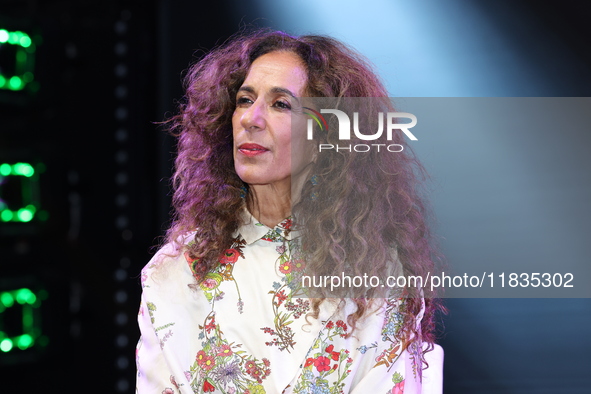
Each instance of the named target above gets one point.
<point>207,191</point>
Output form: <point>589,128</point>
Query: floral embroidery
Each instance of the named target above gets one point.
<point>224,365</point>
<point>364,348</point>
<point>221,364</point>
<point>416,355</point>
<point>210,283</point>
<point>208,387</point>
<point>151,309</point>
<point>287,307</point>
<point>174,383</point>
<point>398,381</point>
<point>392,324</point>
<point>165,338</point>
<point>324,362</point>
<point>280,232</point>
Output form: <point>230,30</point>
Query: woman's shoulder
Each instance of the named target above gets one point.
<point>170,258</point>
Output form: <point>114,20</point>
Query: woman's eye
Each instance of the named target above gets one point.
<point>282,105</point>
<point>243,100</point>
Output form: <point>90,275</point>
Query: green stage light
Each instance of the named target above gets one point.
<point>7,299</point>
<point>25,341</point>
<point>25,296</point>
<point>19,192</point>
<point>6,345</point>
<point>15,83</point>
<point>25,215</point>
<point>17,52</point>
<point>26,303</point>
<point>25,41</point>
<point>6,215</point>
<point>24,169</point>
<point>5,169</point>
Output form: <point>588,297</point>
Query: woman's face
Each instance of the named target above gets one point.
<point>262,121</point>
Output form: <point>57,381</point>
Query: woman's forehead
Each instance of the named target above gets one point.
<point>278,69</point>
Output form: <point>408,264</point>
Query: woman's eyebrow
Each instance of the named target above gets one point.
<point>284,91</point>
<point>247,89</point>
<point>274,90</point>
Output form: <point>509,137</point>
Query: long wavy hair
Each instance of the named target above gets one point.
<point>374,212</point>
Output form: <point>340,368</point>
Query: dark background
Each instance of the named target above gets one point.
<point>107,72</point>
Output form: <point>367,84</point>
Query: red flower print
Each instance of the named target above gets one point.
<point>329,325</point>
<point>309,362</point>
<point>225,351</point>
<point>200,356</point>
<point>189,258</point>
<point>210,326</point>
<point>173,381</point>
<point>322,364</point>
<point>250,366</point>
<point>208,387</point>
<point>281,297</point>
<point>266,362</point>
<point>298,265</point>
<point>334,355</point>
<point>285,268</point>
<point>286,224</point>
<point>381,356</point>
<point>207,363</point>
<point>398,388</point>
<point>210,283</point>
<point>335,366</point>
<point>342,324</point>
<point>230,256</point>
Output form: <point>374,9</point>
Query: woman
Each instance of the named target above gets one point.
<point>223,307</point>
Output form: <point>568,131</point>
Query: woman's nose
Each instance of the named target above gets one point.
<point>253,117</point>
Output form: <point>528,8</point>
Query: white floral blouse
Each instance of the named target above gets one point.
<point>243,330</point>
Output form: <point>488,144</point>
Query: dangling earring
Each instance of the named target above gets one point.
<point>314,181</point>
<point>243,191</point>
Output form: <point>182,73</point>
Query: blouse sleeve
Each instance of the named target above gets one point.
<point>152,369</point>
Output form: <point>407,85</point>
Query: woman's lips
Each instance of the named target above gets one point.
<point>251,150</point>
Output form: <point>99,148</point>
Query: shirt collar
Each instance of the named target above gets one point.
<point>252,230</point>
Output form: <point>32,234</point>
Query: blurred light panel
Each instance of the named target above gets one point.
<point>17,60</point>
<point>19,192</point>
<point>20,322</point>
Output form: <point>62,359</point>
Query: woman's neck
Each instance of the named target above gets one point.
<point>269,204</point>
